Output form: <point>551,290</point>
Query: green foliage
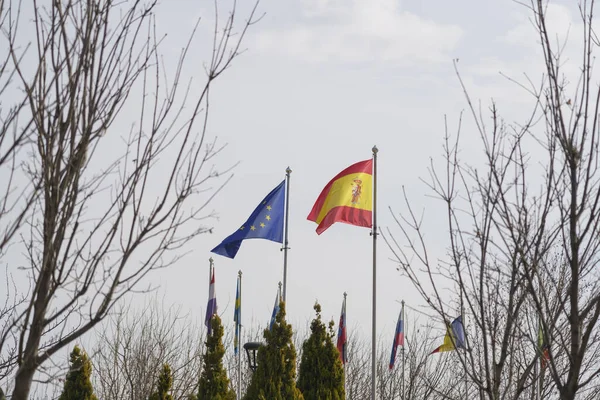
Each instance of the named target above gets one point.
<point>214,384</point>
<point>78,385</point>
<point>321,375</point>
<point>275,375</point>
<point>163,385</point>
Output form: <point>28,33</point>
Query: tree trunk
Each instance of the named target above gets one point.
<point>23,380</point>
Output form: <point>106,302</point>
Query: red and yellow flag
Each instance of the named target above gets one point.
<point>347,198</point>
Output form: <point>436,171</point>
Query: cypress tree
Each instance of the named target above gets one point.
<point>275,375</point>
<point>321,375</point>
<point>163,385</point>
<point>214,384</point>
<point>78,385</point>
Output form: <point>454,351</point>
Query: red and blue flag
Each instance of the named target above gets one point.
<point>398,337</point>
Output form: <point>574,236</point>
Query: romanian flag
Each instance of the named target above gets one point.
<point>348,198</point>
<point>457,340</point>
<point>398,337</point>
<point>342,338</point>
<point>543,348</point>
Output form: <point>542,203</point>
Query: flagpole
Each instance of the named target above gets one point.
<point>344,352</point>
<point>374,311</point>
<point>239,339</point>
<point>403,341</point>
<point>464,322</point>
<point>285,248</point>
<point>210,274</point>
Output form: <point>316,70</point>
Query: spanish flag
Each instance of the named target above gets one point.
<point>347,198</point>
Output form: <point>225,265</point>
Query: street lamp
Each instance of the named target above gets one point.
<point>251,350</point>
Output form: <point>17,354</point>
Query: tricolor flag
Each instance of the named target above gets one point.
<point>342,338</point>
<point>275,308</point>
<point>457,340</point>
<point>237,314</point>
<point>348,198</point>
<point>211,307</point>
<point>398,337</point>
<point>543,348</point>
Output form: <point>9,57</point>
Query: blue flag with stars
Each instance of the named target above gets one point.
<point>265,222</point>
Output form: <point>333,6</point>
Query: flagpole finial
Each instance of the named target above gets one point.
<point>279,284</point>
<point>210,260</point>
<point>402,303</point>
<point>240,273</point>
<point>375,149</point>
<point>345,294</point>
<point>288,170</point>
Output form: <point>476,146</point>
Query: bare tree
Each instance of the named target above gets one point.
<point>134,346</point>
<point>17,195</point>
<point>110,209</point>
<point>16,132</point>
<point>523,233</point>
<point>8,312</point>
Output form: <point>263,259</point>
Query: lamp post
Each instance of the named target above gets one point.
<point>252,350</point>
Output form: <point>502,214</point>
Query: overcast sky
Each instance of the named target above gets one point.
<point>321,82</point>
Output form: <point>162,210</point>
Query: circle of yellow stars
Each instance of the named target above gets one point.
<point>262,224</point>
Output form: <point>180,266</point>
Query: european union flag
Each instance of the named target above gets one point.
<point>266,222</point>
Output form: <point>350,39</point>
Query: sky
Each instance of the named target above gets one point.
<point>319,84</point>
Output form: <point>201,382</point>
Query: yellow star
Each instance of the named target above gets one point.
<point>252,228</point>
<point>242,228</point>
<point>269,208</point>
<point>268,217</point>
<point>262,224</point>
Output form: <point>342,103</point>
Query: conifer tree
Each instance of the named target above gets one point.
<point>321,375</point>
<point>163,384</point>
<point>78,385</point>
<point>275,375</point>
<point>214,384</point>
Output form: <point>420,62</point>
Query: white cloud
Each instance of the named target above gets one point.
<point>375,30</point>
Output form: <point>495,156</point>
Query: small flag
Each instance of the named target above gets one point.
<point>211,307</point>
<point>457,341</point>
<point>342,338</point>
<point>346,198</point>
<point>237,315</point>
<point>398,337</point>
<point>543,348</point>
<point>275,308</point>
<point>265,222</point>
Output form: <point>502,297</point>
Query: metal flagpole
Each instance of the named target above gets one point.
<point>462,316</point>
<point>210,274</point>
<point>374,311</point>
<point>239,340</point>
<point>403,341</point>
<point>285,248</point>
<point>344,352</point>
